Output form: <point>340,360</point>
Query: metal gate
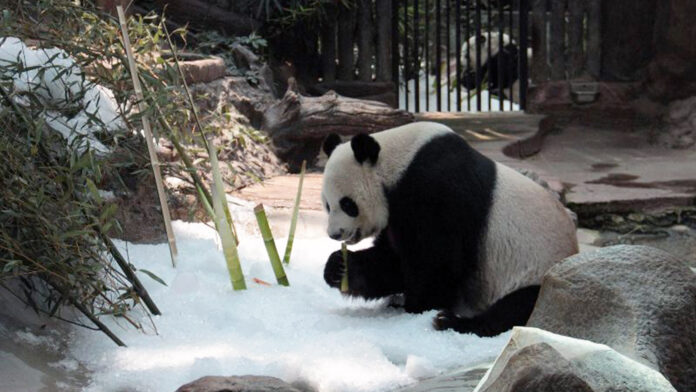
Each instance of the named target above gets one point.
<point>460,55</point>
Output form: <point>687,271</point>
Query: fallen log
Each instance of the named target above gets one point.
<point>298,124</point>
<point>203,15</point>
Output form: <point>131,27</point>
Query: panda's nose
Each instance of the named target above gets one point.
<point>336,236</point>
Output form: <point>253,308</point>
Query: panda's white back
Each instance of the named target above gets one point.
<point>529,231</point>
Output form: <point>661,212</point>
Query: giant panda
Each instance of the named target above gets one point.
<point>453,230</point>
<point>508,55</point>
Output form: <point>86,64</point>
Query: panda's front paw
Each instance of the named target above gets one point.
<point>334,269</point>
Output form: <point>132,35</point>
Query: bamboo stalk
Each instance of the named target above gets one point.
<point>189,96</point>
<point>270,245</point>
<point>148,137</point>
<point>344,280</point>
<point>130,275</point>
<point>295,211</point>
<point>229,244</point>
<point>220,187</point>
<point>87,313</point>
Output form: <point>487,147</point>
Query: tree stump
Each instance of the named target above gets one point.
<point>298,124</point>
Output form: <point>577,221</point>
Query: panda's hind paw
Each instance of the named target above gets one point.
<point>447,319</point>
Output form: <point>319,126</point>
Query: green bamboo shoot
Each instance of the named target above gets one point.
<point>270,245</point>
<point>295,211</point>
<point>229,244</point>
<point>344,280</point>
<point>220,187</point>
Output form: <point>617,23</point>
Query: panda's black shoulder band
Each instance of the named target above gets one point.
<point>365,148</point>
<point>330,143</point>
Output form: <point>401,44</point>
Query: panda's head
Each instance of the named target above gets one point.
<point>468,56</point>
<point>352,191</point>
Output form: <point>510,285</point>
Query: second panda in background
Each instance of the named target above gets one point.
<point>508,55</point>
<point>454,230</point>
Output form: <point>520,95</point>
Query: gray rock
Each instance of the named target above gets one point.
<point>462,380</point>
<point>237,384</point>
<point>539,361</point>
<point>639,300</point>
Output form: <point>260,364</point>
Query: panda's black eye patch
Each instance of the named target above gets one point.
<point>349,207</point>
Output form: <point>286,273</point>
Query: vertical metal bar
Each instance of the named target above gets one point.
<point>427,56</point>
<point>478,55</point>
<point>501,71</point>
<point>447,56</point>
<point>512,36</point>
<point>458,53</point>
<point>523,72</point>
<point>468,53</point>
<point>395,48</point>
<point>407,74</point>
<point>416,95</point>
<point>438,57</point>
<point>489,63</point>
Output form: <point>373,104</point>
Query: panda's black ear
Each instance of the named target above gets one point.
<point>330,143</point>
<point>365,148</point>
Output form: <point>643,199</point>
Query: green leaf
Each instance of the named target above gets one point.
<point>153,276</point>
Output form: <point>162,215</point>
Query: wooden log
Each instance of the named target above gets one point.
<point>354,89</point>
<point>383,12</point>
<point>576,16</point>
<point>594,37</point>
<point>201,14</point>
<point>539,70</point>
<point>365,40</point>
<point>298,125</point>
<point>557,39</point>
<point>346,33</point>
<point>328,44</point>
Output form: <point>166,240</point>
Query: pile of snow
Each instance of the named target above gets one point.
<point>430,105</point>
<point>306,334</point>
<point>53,77</point>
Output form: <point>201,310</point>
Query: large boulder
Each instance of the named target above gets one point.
<point>537,361</point>
<point>679,130</point>
<point>237,384</point>
<point>639,300</point>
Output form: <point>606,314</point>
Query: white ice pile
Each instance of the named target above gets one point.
<point>447,95</point>
<point>306,333</point>
<point>53,77</point>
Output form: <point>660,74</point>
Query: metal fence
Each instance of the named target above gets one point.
<point>460,55</point>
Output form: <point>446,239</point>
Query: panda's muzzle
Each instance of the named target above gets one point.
<point>355,238</point>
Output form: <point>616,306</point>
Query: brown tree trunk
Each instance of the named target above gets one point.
<point>328,45</point>
<point>201,14</point>
<point>346,33</point>
<point>594,37</point>
<point>557,36</point>
<point>365,40</point>
<point>576,60</point>
<point>539,69</point>
<point>383,13</point>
